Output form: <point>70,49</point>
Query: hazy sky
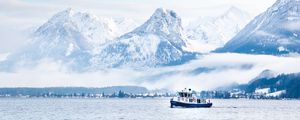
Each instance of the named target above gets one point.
<point>20,17</point>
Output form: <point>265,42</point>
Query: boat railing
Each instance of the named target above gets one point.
<point>191,100</point>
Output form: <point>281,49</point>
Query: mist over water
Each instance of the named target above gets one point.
<point>206,72</point>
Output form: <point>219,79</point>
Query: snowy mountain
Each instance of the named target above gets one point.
<point>158,42</point>
<point>282,84</point>
<point>69,37</point>
<point>276,31</point>
<point>125,25</point>
<point>82,42</point>
<point>267,74</point>
<point>214,32</point>
<point>82,30</point>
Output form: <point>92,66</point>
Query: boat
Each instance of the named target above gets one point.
<point>188,99</point>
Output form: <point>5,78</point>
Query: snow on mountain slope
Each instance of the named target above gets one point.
<point>87,30</point>
<point>276,31</point>
<point>212,32</point>
<point>82,42</point>
<point>159,41</point>
<point>125,25</point>
<point>69,37</point>
<point>265,74</point>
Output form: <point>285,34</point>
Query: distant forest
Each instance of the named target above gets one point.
<point>288,82</point>
<point>71,90</point>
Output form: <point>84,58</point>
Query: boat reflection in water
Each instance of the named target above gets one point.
<point>186,98</point>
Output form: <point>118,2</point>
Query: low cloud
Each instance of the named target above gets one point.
<point>214,70</point>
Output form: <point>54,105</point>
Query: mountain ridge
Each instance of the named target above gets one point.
<point>272,32</point>
<point>159,41</point>
<point>72,39</point>
<point>215,32</point>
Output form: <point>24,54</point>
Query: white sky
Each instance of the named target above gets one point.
<point>19,17</point>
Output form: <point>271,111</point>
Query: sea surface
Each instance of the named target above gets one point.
<point>144,109</point>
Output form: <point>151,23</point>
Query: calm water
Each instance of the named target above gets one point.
<point>144,109</point>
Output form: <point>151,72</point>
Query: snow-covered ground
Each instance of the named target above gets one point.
<point>277,93</point>
<point>262,91</point>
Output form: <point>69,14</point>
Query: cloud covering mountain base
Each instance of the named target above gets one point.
<point>207,72</point>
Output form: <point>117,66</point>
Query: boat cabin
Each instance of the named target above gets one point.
<point>184,94</point>
<point>189,96</point>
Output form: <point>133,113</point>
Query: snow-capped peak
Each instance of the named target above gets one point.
<point>235,12</point>
<point>62,16</point>
<point>162,20</point>
<point>157,42</point>
<point>233,8</point>
<point>83,41</point>
<point>213,32</point>
<point>69,14</point>
<point>266,74</point>
<point>79,24</point>
<point>70,37</point>
<point>275,31</point>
